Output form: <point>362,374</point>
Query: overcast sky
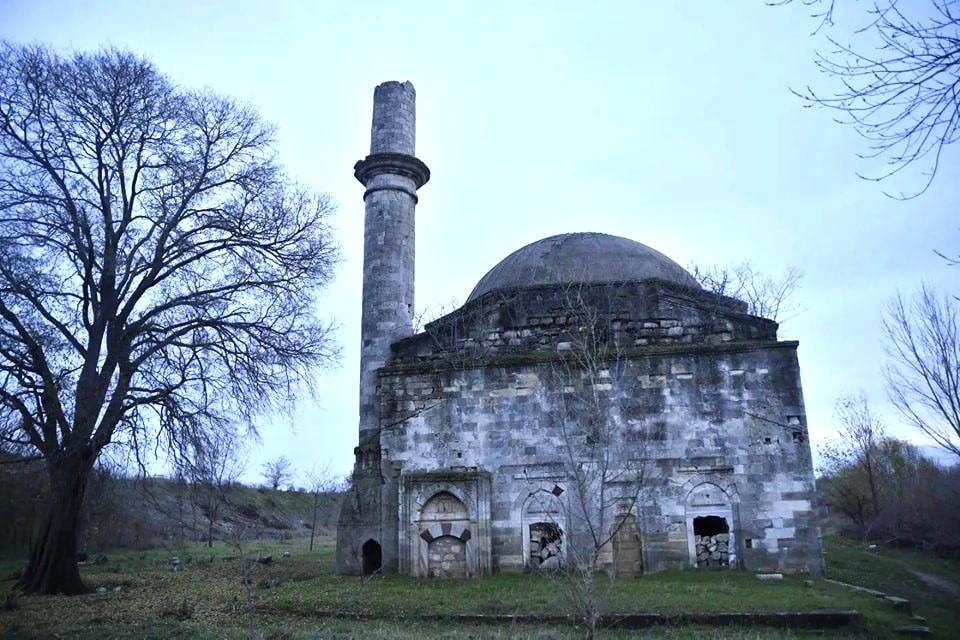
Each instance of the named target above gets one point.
<point>670,123</point>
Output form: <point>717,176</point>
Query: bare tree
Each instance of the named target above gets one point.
<point>860,434</point>
<point>766,296</point>
<point>604,457</point>
<point>898,81</point>
<point>433,312</point>
<point>923,370</point>
<point>917,500</point>
<point>158,272</point>
<point>278,471</point>
<point>213,466</point>
<point>322,484</point>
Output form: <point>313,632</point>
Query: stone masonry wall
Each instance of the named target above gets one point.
<point>727,414</point>
<point>543,319</point>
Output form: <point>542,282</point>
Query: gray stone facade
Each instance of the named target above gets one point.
<point>588,383</point>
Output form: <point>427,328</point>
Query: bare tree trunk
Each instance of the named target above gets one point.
<point>313,523</point>
<point>874,502</point>
<point>53,559</point>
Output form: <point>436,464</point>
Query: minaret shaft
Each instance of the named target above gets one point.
<point>392,175</point>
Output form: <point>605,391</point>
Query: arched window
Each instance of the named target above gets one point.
<point>543,529</point>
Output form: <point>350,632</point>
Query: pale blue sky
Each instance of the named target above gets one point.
<point>670,123</point>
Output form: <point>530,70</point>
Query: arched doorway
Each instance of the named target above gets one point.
<point>710,527</point>
<point>444,528</point>
<point>371,557</point>
<point>712,540</point>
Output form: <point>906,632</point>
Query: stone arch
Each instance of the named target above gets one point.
<point>725,484</point>
<point>443,506</point>
<point>444,531</point>
<point>371,557</point>
<point>543,527</point>
<point>431,491</point>
<point>711,526</point>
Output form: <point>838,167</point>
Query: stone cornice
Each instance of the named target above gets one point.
<point>393,163</point>
<point>523,359</point>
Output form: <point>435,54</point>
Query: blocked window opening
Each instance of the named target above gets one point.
<point>627,559</point>
<point>371,557</point>
<point>546,546</point>
<point>446,558</point>
<point>798,436</point>
<point>712,540</point>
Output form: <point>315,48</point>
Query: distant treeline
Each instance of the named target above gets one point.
<point>883,489</point>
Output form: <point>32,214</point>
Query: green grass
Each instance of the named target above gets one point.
<point>888,570</point>
<point>294,596</point>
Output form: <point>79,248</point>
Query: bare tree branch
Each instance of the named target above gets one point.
<point>766,296</point>
<point>898,82</point>
<point>923,371</point>
<point>158,271</point>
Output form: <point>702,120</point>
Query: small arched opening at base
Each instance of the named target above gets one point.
<point>371,557</point>
<point>712,540</point>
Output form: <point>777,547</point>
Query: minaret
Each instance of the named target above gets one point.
<point>391,175</point>
<point>367,528</point>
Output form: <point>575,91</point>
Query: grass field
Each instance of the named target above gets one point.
<point>299,596</point>
<point>905,573</point>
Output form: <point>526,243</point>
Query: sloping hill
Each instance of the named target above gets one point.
<point>149,512</point>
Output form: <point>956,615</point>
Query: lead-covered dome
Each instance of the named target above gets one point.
<point>580,258</point>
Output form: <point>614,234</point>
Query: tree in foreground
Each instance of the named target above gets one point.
<point>923,370</point>
<point>604,457</point>
<point>897,80</point>
<point>158,273</point>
